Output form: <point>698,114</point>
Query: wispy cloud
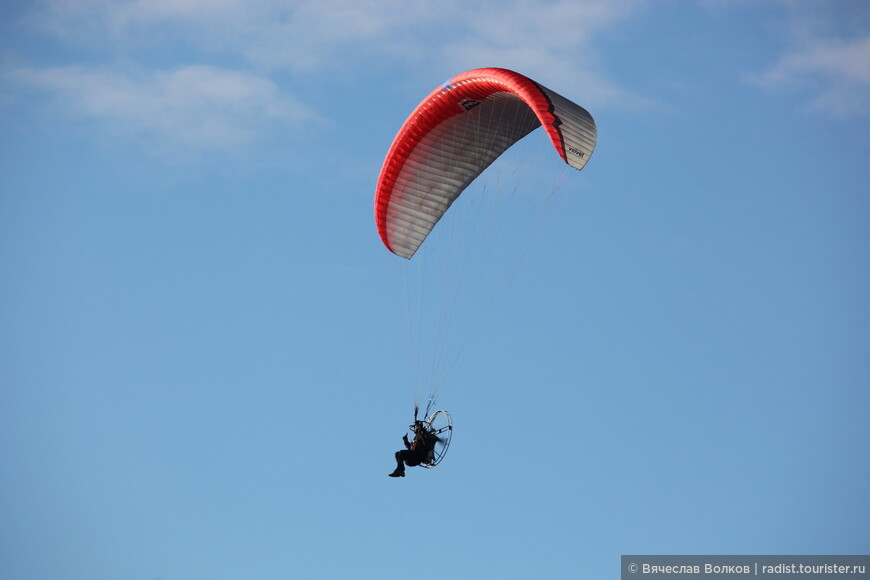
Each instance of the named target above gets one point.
<point>554,42</point>
<point>310,36</point>
<point>831,70</point>
<point>140,64</point>
<point>192,107</point>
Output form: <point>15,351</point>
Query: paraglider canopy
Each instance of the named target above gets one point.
<point>457,132</point>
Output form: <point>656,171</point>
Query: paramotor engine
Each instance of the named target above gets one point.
<point>440,425</point>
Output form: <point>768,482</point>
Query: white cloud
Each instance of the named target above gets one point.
<point>269,34</point>
<point>837,59</point>
<point>554,38</point>
<point>178,105</point>
<point>193,107</point>
<point>833,71</point>
<point>553,42</point>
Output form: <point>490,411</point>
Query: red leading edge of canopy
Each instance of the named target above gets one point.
<point>443,103</point>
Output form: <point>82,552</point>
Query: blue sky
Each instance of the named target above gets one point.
<point>203,366</point>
